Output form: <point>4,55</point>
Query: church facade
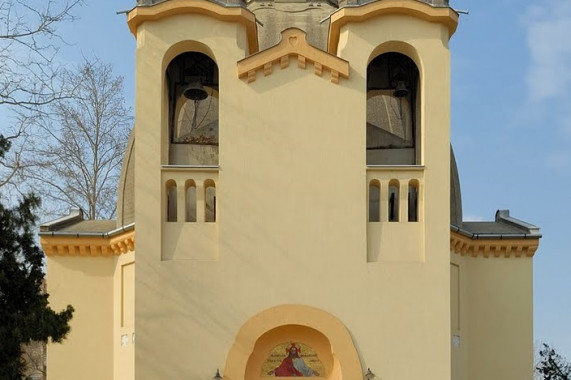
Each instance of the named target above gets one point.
<point>289,206</point>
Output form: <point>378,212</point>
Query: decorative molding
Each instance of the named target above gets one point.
<point>443,15</point>
<point>294,45</point>
<point>139,14</point>
<point>500,247</point>
<point>87,245</point>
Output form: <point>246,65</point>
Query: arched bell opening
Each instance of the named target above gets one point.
<point>392,115</point>
<point>374,201</point>
<point>393,201</point>
<point>413,201</point>
<point>209,201</point>
<point>190,197</point>
<point>192,85</point>
<point>171,201</point>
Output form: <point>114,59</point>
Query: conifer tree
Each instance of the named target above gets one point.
<point>25,315</point>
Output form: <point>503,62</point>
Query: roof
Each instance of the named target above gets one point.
<point>503,227</point>
<point>276,16</point>
<point>91,226</point>
<point>338,2</point>
<point>74,225</point>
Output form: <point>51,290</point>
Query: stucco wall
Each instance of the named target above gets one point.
<point>86,284</point>
<point>493,336</point>
<point>291,193</point>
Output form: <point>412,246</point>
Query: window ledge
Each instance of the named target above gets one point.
<point>396,167</point>
<point>210,168</point>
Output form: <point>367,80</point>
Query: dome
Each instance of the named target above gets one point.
<point>126,188</point>
<point>455,194</point>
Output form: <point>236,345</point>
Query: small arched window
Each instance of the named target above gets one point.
<point>392,88</point>
<point>393,205</point>
<point>190,194</point>
<point>209,201</point>
<point>374,198</point>
<point>192,81</point>
<point>171,205</point>
<point>413,201</point>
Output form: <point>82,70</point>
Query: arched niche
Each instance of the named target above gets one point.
<point>315,331</point>
<point>394,200</point>
<point>393,107</point>
<point>306,345</point>
<point>192,101</point>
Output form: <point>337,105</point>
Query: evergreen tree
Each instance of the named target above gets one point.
<point>25,315</point>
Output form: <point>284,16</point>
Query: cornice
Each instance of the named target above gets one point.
<point>293,44</point>
<point>443,15</point>
<point>490,247</point>
<point>139,14</point>
<point>88,246</point>
<point>107,246</point>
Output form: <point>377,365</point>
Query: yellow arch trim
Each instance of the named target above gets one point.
<point>139,15</point>
<point>443,15</point>
<point>317,319</point>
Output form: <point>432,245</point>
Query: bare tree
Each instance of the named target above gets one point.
<point>29,81</point>
<point>78,164</point>
<point>34,357</point>
<point>552,366</point>
<point>29,75</point>
<point>28,45</point>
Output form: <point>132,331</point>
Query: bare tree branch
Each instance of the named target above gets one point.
<point>28,75</point>
<point>79,163</point>
<point>30,79</point>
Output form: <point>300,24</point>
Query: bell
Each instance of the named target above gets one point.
<point>195,91</point>
<point>400,91</point>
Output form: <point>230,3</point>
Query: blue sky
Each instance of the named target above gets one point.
<point>511,123</point>
<point>511,131</point>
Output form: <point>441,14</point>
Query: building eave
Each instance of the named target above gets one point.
<point>360,13</point>
<point>464,243</point>
<point>141,14</point>
<point>89,244</point>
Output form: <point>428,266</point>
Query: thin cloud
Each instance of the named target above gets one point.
<point>548,29</point>
<point>559,160</point>
<point>474,218</point>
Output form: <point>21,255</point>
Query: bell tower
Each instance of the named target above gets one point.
<point>292,158</point>
<point>294,204</point>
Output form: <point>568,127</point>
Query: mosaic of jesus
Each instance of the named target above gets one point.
<point>299,361</point>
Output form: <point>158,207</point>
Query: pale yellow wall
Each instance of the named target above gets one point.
<point>124,317</point>
<point>424,292</point>
<point>494,334</point>
<point>291,193</point>
<point>164,298</point>
<point>87,284</point>
<point>101,290</point>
